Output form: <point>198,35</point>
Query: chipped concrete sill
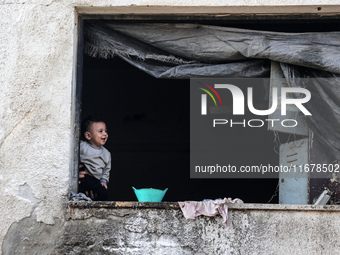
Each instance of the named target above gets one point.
<point>83,210</point>
<point>123,204</point>
<point>174,205</point>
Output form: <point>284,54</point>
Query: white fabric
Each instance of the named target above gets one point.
<point>192,209</point>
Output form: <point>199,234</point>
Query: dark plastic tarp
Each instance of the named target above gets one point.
<point>104,41</point>
<point>183,51</point>
<point>324,104</point>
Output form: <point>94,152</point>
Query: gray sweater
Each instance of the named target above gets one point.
<point>96,160</point>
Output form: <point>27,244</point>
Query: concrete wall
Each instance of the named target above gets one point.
<point>37,55</point>
<point>138,230</point>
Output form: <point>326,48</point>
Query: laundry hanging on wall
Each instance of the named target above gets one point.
<point>183,51</point>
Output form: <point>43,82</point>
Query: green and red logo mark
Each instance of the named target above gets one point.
<point>204,98</point>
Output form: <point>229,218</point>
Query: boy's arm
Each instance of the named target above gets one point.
<point>106,172</point>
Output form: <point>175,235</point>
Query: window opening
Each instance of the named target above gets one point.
<point>148,132</point>
<point>148,123</point>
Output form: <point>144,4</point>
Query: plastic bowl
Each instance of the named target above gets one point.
<point>149,194</point>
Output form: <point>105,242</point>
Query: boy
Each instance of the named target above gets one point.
<point>95,166</point>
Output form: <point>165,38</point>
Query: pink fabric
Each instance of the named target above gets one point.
<point>192,209</point>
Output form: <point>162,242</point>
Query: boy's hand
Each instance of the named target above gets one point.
<point>91,195</point>
<point>103,184</point>
<point>82,174</point>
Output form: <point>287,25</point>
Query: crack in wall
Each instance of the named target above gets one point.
<point>24,3</point>
<point>17,126</point>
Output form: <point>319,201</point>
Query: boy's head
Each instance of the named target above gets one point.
<point>94,131</point>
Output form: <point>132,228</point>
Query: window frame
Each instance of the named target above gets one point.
<point>163,14</point>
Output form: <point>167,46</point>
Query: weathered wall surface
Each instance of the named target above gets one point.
<point>36,80</point>
<point>165,231</point>
<point>37,49</point>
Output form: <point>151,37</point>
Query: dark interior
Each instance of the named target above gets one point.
<point>148,124</point>
<point>148,121</point>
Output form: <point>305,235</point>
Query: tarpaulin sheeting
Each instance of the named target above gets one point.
<point>324,104</point>
<point>183,51</point>
<point>104,41</point>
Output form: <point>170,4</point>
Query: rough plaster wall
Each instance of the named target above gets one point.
<point>36,74</point>
<point>37,50</point>
<point>29,237</point>
<point>166,231</point>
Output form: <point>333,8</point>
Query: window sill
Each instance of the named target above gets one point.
<point>123,204</point>
<point>175,205</point>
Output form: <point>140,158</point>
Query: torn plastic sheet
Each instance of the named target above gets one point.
<point>188,43</point>
<point>252,68</point>
<point>104,42</point>
<point>183,51</point>
<point>324,104</point>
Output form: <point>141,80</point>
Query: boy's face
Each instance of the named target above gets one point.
<point>97,134</point>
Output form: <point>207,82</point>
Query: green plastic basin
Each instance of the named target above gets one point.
<point>149,194</point>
